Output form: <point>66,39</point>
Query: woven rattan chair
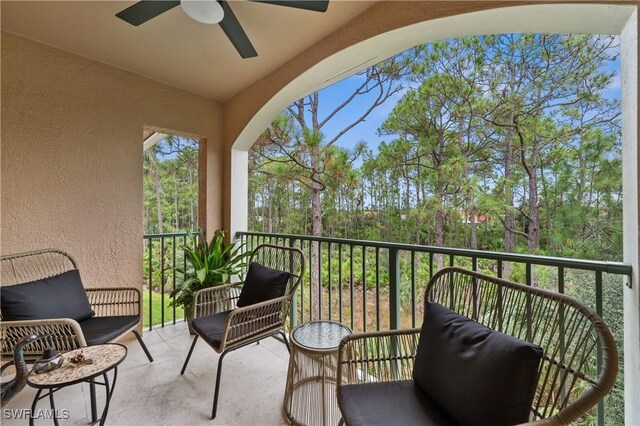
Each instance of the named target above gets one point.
<point>234,327</point>
<point>120,307</point>
<point>569,383</point>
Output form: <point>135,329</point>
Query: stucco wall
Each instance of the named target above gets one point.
<point>71,156</point>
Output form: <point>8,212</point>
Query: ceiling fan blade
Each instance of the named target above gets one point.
<point>235,33</point>
<point>144,10</point>
<point>314,5</point>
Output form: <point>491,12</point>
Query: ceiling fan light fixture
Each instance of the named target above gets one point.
<point>205,11</point>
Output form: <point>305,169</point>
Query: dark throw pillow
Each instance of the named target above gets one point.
<point>477,375</point>
<point>62,296</point>
<point>262,284</point>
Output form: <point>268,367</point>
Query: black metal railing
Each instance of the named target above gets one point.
<point>162,254</point>
<point>373,285</point>
<point>396,263</point>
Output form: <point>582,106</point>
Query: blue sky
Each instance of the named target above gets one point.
<point>333,95</point>
<point>366,131</point>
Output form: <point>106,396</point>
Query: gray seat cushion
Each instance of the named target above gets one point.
<point>389,403</point>
<point>210,328</point>
<point>99,330</point>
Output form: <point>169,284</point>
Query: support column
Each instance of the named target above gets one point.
<point>631,189</point>
<point>239,192</point>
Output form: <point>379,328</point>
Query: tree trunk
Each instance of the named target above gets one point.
<point>473,244</point>
<point>176,210</point>
<point>407,208</point>
<point>509,217</point>
<point>469,202</point>
<point>264,215</point>
<point>439,225</point>
<point>145,220</point>
<point>533,240</point>
<point>158,189</point>
<point>270,226</point>
<point>193,215</point>
<point>316,223</point>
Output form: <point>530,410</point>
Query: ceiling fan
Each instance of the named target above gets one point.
<point>212,12</point>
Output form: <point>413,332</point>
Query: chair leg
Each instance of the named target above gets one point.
<point>144,347</point>
<point>186,361</point>
<point>218,377</point>
<point>286,342</point>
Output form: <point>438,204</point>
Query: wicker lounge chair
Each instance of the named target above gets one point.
<point>566,384</point>
<point>117,310</point>
<point>226,327</point>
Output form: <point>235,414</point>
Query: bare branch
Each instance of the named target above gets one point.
<point>513,231</point>
<point>382,97</point>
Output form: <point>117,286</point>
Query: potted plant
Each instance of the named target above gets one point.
<point>208,265</point>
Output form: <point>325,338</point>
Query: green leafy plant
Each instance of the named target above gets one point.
<point>208,265</point>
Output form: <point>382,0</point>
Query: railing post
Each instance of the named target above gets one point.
<point>599,308</point>
<point>394,289</point>
<point>394,304</point>
<point>150,284</point>
<point>162,271</point>
<point>294,300</point>
<point>173,274</point>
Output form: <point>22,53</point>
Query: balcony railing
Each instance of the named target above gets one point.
<point>162,254</point>
<point>371,285</point>
<point>348,265</point>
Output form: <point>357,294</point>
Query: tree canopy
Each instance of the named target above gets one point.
<point>503,143</point>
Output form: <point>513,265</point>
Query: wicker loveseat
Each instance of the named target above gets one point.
<point>114,311</point>
<point>378,372</point>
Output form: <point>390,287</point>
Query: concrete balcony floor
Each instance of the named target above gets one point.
<point>252,388</point>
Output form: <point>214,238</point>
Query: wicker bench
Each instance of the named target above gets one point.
<point>117,310</point>
<point>377,370</point>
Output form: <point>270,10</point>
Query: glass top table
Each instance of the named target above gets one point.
<point>320,335</point>
<point>310,393</point>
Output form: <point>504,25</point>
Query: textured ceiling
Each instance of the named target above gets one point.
<point>173,48</point>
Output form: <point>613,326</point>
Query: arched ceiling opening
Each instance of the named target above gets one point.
<point>246,125</point>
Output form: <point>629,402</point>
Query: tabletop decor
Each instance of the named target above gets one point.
<point>12,387</point>
<point>50,361</point>
<point>80,359</point>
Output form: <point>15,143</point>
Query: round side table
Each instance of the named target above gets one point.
<point>105,358</point>
<point>310,393</point>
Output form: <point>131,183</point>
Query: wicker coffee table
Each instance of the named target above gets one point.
<point>310,394</point>
<point>105,358</point>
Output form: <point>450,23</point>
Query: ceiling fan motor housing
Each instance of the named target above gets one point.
<point>205,11</point>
